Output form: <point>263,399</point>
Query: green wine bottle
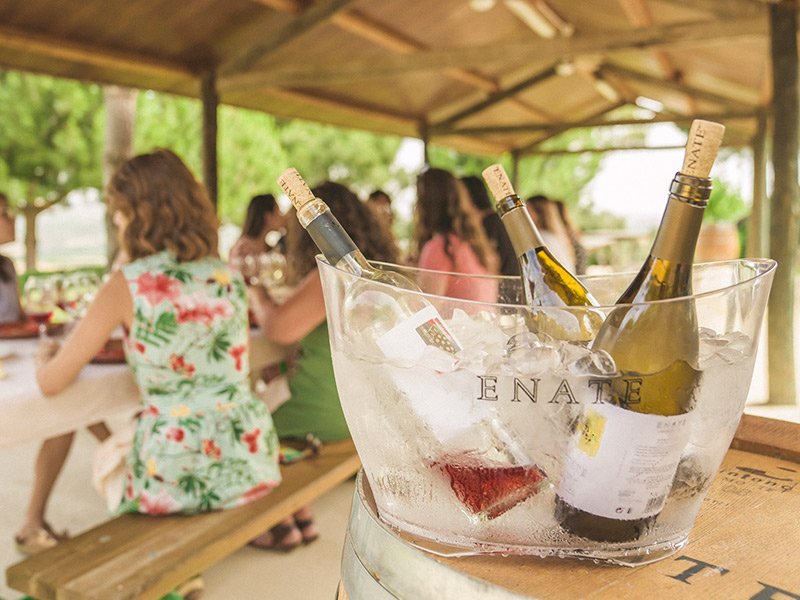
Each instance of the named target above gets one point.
<point>401,324</point>
<point>626,450</point>
<point>545,281</point>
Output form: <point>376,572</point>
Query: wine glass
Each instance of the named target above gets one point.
<point>272,268</point>
<point>40,299</point>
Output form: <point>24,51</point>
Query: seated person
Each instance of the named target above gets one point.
<point>450,237</point>
<point>202,441</point>
<point>263,216</point>
<point>313,407</point>
<point>10,309</point>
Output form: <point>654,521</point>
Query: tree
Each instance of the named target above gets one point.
<point>51,143</point>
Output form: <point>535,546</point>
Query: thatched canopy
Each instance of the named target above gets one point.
<point>484,81</point>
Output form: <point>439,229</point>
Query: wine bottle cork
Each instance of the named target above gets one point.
<point>498,182</point>
<point>295,188</point>
<point>702,146</point>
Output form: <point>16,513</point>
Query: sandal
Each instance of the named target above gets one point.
<point>307,529</point>
<point>283,537</point>
<point>191,589</point>
<point>36,542</point>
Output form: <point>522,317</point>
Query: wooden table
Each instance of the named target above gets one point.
<point>745,544</point>
<point>101,391</point>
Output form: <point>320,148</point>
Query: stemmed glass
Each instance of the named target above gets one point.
<point>39,300</point>
<point>78,291</point>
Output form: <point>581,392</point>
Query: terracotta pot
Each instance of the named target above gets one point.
<point>719,241</point>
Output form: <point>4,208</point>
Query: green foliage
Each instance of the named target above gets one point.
<point>359,159</point>
<point>250,159</point>
<point>726,204</point>
<point>52,137</point>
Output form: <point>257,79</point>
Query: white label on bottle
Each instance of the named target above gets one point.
<point>406,342</point>
<point>620,463</point>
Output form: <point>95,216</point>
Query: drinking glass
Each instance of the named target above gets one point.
<point>39,300</point>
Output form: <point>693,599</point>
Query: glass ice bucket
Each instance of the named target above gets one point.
<point>472,445</point>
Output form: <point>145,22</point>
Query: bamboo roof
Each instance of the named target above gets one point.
<point>483,76</point>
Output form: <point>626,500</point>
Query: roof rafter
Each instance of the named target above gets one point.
<point>522,50</point>
<point>674,85</point>
<point>302,24</point>
<point>595,122</point>
<point>87,54</point>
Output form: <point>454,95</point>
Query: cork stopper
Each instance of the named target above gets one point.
<point>295,188</point>
<point>702,146</point>
<point>498,182</point>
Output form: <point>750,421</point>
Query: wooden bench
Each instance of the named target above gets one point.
<point>144,557</point>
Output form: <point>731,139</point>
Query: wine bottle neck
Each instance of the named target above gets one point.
<point>677,235</point>
<point>520,227</point>
<point>331,238</point>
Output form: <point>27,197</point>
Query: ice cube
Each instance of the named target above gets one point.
<point>598,362</point>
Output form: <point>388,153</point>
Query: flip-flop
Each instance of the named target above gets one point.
<point>307,529</point>
<point>36,542</point>
<point>280,534</point>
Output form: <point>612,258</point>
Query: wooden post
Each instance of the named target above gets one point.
<point>515,158</point>
<point>758,226</point>
<point>785,201</point>
<point>424,135</point>
<point>117,147</point>
<point>208,90</point>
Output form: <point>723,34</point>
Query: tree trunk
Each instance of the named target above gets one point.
<point>210,103</point>
<point>785,202</point>
<point>30,213</point>
<point>758,225</point>
<point>117,147</point>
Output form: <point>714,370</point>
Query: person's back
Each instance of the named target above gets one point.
<point>188,351</point>
<point>492,225</point>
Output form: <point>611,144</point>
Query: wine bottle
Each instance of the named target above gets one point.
<point>545,281</point>
<point>407,322</point>
<point>403,324</point>
<point>627,448</point>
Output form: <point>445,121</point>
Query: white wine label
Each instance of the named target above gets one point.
<point>621,463</point>
<point>407,340</point>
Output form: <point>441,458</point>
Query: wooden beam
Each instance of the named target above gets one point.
<point>470,57</point>
<point>595,122</point>
<point>725,8</point>
<point>565,127</point>
<point>784,204</point>
<point>758,223</point>
<point>208,92</point>
<point>674,85</point>
<point>360,25</point>
<point>306,22</point>
<point>639,14</point>
<point>494,99</point>
<point>359,111</point>
<point>89,54</point>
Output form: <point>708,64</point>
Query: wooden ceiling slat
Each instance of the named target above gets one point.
<point>303,24</point>
<point>90,54</point>
<point>528,128</point>
<point>520,50</point>
<point>695,92</point>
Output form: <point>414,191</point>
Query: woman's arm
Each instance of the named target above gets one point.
<point>113,306</point>
<point>292,320</point>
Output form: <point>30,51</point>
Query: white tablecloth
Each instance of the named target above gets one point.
<point>99,392</point>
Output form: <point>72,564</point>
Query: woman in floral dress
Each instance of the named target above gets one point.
<point>202,440</point>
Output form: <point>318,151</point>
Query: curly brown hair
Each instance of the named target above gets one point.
<point>166,207</point>
<point>357,219</point>
<point>444,206</point>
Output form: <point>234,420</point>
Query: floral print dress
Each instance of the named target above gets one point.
<point>203,441</point>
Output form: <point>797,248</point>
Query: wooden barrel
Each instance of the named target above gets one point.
<point>718,241</point>
<point>745,544</point>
